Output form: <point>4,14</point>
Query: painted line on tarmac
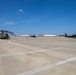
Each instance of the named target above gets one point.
<point>24,46</point>
<point>47,67</point>
<point>29,52</point>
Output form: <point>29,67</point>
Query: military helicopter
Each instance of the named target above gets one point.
<point>70,36</point>
<point>5,34</point>
<point>34,36</point>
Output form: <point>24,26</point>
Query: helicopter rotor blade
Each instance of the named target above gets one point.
<point>11,33</point>
<point>8,32</point>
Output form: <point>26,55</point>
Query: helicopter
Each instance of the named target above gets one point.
<point>70,36</point>
<point>34,36</point>
<point>5,34</point>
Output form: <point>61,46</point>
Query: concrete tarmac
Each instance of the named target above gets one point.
<point>38,56</point>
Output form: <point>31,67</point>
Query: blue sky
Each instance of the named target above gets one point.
<point>38,16</point>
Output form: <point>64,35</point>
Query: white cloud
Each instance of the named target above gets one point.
<point>21,10</point>
<point>7,23</point>
<point>31,21</point>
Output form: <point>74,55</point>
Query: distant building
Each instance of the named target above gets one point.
<point>49,35</point>
<point>24,35</point>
